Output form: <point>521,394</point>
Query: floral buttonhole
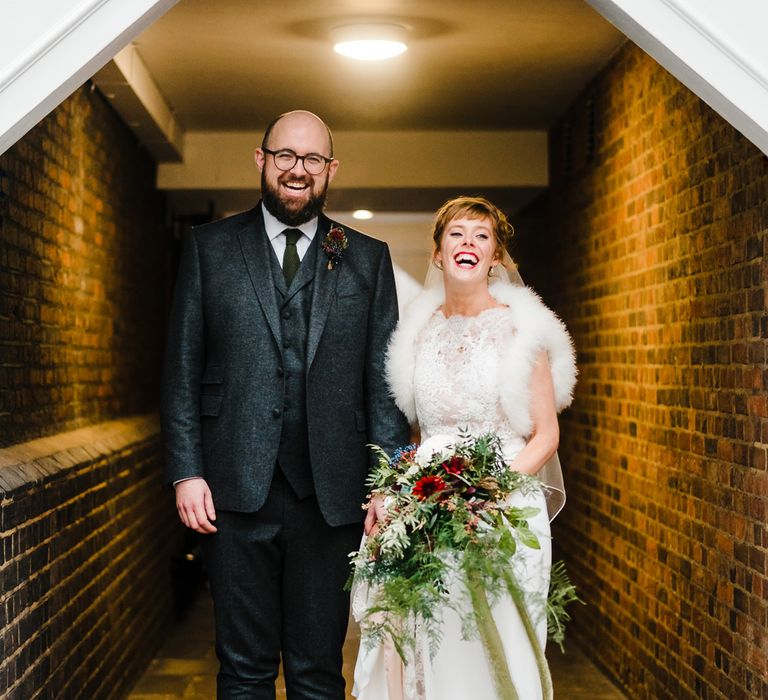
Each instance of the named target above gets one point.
<point>334,244</point>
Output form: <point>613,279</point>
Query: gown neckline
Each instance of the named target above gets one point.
<point>439,312</point>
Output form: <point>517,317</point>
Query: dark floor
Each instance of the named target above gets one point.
<point>186,666</point>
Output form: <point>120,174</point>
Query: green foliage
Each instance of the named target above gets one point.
<point>449,516</point>
<point>561,594</point>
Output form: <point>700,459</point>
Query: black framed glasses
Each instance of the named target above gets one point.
<point>285,159</point>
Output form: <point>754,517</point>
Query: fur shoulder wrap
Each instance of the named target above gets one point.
<point>537,329</point>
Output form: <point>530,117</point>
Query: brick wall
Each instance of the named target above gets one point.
<point>81,274</point>
<point>651,243</point>
<point>85,526</point>
<point>85,542</point>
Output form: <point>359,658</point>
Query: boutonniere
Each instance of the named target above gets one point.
<point>334,245</point>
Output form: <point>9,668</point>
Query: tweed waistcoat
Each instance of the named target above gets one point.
<point>294,304</point>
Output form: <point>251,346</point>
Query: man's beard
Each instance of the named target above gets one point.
<point>291,216</point>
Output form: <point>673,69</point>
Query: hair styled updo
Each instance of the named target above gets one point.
<point>473,208</point>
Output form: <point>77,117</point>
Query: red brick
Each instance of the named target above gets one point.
<point>660,273</point>
<point>60,264</point>
<point>84,535</point>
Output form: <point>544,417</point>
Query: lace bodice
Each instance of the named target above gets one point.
<point>457,376</point>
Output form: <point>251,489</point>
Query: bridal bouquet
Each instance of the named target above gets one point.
<point>450,515</point>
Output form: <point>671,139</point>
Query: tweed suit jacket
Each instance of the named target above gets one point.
<point>223,384</point>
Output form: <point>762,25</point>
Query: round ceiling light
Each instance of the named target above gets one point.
<point>362,214</point>
<point>369,42</point>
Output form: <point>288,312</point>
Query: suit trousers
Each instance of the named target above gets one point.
<point>277,578</point>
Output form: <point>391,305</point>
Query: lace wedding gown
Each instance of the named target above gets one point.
<point>457,390</point>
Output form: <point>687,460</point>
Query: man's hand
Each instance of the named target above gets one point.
<point>195,505</point>
<point>377,513</point>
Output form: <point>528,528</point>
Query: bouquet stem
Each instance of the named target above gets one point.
<point>489,633</point>
<point>541,662</point>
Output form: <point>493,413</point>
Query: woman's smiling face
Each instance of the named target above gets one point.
<point>468,249</point>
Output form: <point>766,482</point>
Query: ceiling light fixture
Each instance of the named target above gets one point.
<point>369,42</point>
<point>362,214</point>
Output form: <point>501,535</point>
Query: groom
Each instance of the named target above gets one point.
<point>273,389</point>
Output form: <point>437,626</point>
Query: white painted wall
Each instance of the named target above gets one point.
<point>716,48</point>
<point>408,234</point>
<point>739,25</point>
<point>392,159</point>
<point>25,23</point>
<point>48,49</point>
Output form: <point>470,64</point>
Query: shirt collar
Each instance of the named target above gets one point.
<point>274,227</point>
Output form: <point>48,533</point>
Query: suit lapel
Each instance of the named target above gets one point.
<point>257,252</point>
<point>325,285</point>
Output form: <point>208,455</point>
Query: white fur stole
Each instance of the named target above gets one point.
<point>538,328</point>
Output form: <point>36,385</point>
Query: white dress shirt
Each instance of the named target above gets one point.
<point>275,228</point>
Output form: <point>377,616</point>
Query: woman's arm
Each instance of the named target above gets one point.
<point>546,432</point>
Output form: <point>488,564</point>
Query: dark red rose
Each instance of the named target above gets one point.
<point>428,486</point>
<point>454,465</point>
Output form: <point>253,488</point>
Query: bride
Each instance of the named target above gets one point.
<point>476,353</point>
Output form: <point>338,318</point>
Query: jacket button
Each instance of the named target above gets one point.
<point>286,315</point>
<point>276,412</point>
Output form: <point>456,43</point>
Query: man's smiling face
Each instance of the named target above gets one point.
<point>295,196</point>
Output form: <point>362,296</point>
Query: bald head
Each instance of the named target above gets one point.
<point>298,120</point>
<point>294,195</point>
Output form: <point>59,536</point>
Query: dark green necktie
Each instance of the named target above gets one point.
<point>291,255</point>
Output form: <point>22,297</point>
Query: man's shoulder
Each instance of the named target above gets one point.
<point>227,226</point>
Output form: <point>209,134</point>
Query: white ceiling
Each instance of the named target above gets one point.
<point>231,65</point>
<point>471,67</point>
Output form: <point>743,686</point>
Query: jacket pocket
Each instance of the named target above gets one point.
<point>360,421</point>
<point>210,405</point>
<point>352,294</point>
<point>212,375</point>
